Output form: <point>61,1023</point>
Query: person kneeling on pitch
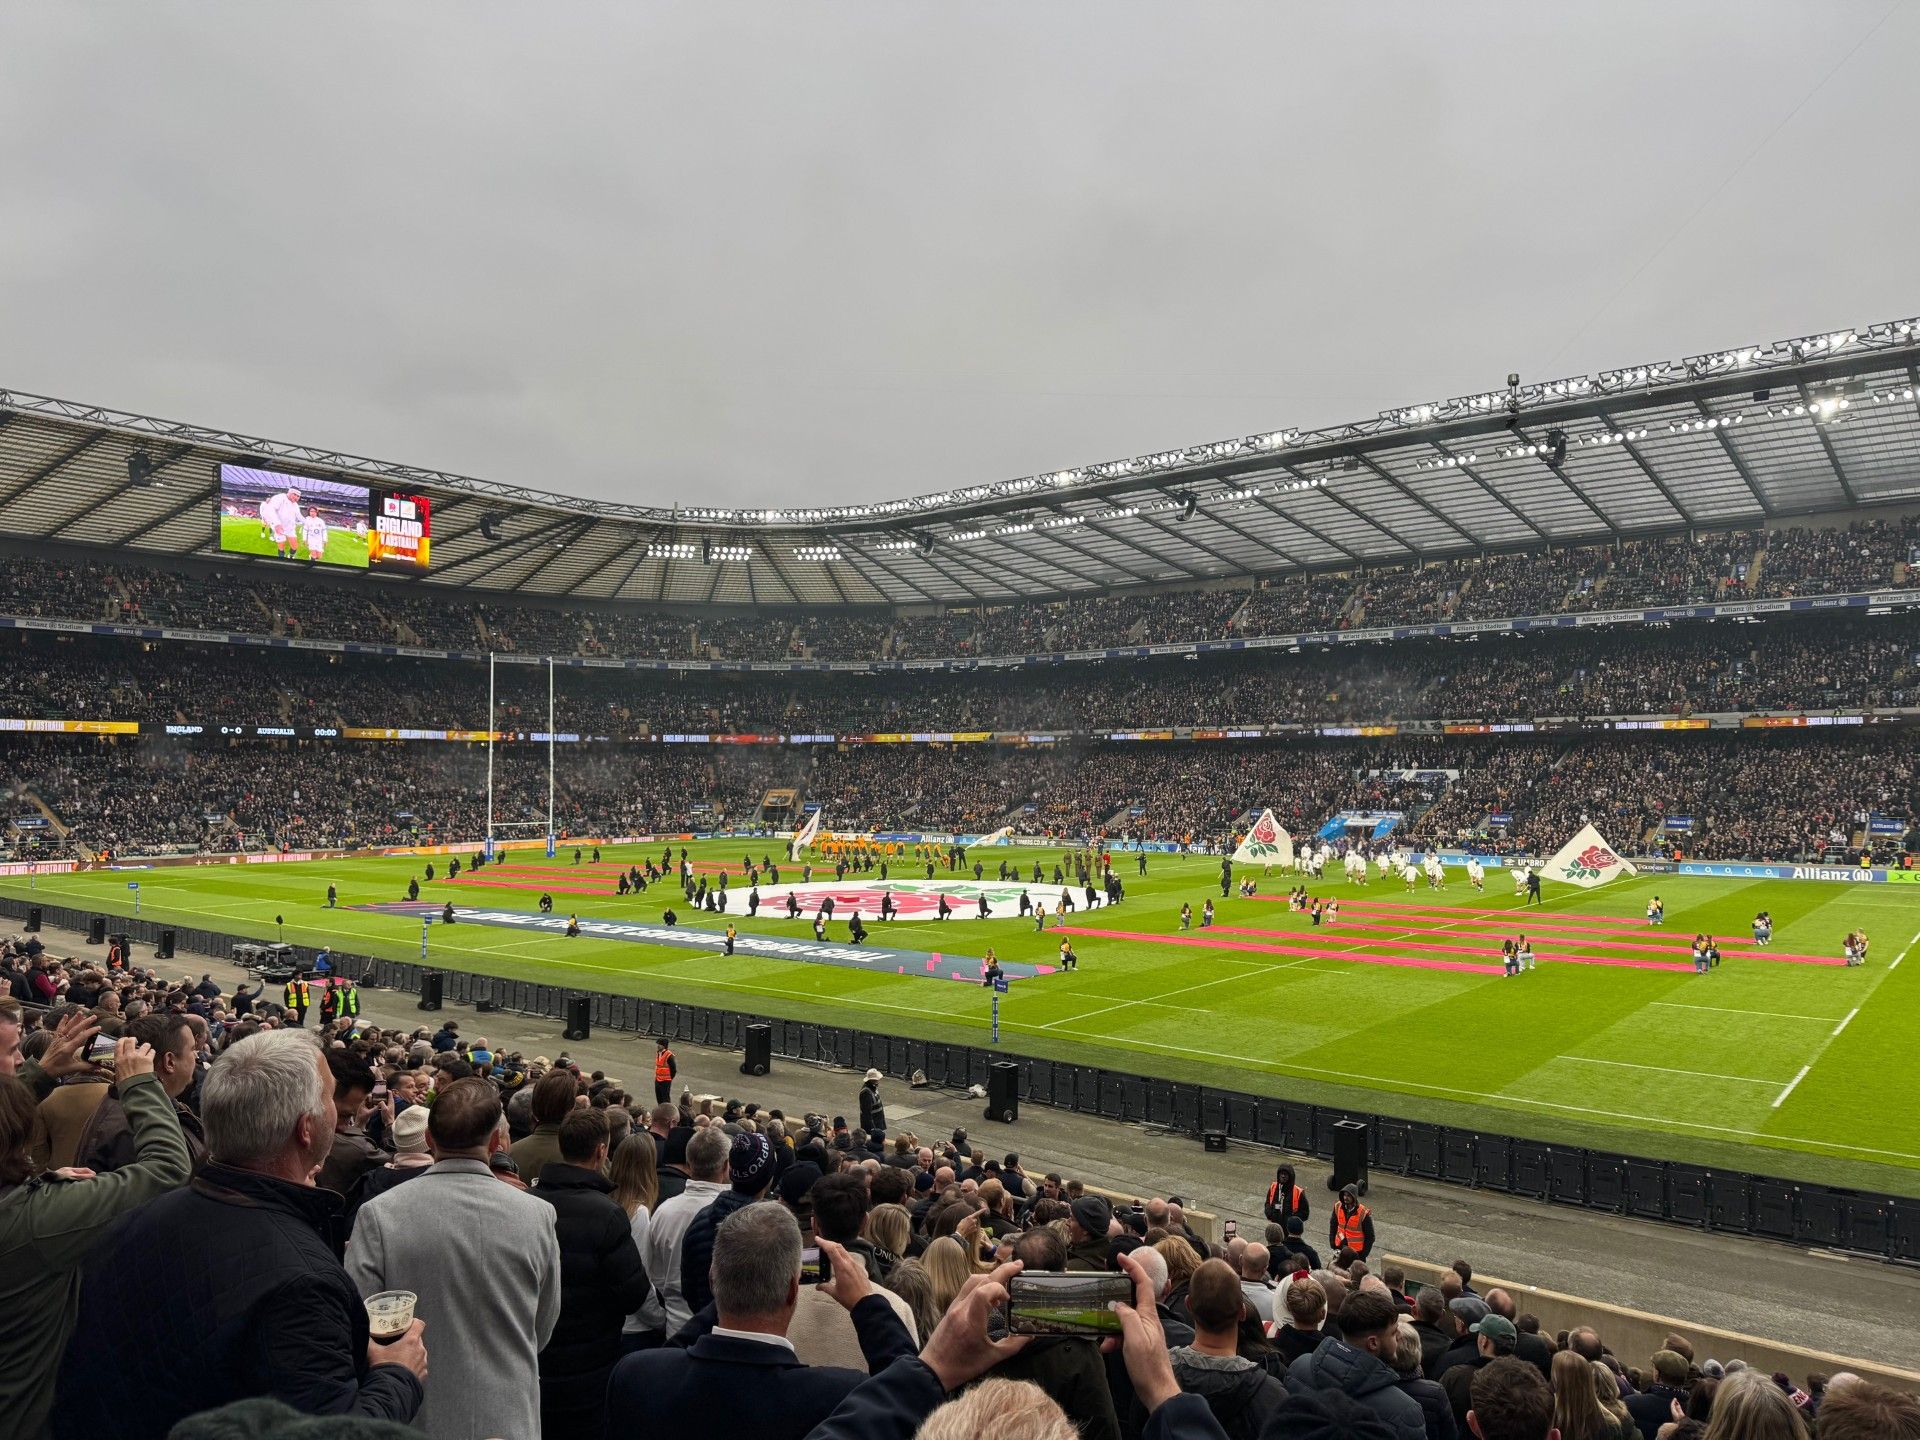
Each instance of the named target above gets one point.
<point>856,931</point>
<point>1068,960</point>
<point>573,927</point>
<point>446,915</point>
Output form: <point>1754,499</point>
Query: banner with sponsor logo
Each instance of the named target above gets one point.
<point>1586,861</point>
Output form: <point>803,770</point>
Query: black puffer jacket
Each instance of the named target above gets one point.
<point>602,1281</point>
<point>250,1300</point>
<point>1337,1365</point>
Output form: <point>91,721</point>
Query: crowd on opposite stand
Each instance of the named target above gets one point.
<point>235,1197</point>
<point>1779,796</point>
<point>1789,561</point>
<point>1788,664</point>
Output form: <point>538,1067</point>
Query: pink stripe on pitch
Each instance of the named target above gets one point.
<point>1523,919</point>
<point>1355,956</point>
<point>1344,927</point>
<point>1361,957</point>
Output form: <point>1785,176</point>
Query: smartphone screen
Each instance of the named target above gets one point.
<point>815,1268</point>
<point>100,1051</point>
<point>1076,1304</point>
<point>1231,1228</point>
<point>380,1091</point>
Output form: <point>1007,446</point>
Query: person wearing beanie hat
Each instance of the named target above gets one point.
<point>751,1167</point>
<point>795,1186</point>
<point>1092,1219</point>
<point>410,1159</point>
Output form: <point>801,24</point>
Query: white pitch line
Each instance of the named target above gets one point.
<point>1164,994</point>
<point>1729,1010</point>
<point>1903,954</point>
<point>1667,1070</point>
<point>1848,1020</point>
<point>1780,1099</point>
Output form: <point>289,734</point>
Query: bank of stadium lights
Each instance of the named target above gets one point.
<point>717,553</point>
<point>820,553</point>
<point>1449,462</point>
<point>895,545</point>
<point>676,550</point>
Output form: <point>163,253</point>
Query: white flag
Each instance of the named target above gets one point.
<point>1267,843</point>
<point>1586,861</point>
<point>805,837</point>
<point>1002,836</point>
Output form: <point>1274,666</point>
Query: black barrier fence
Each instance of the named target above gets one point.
<point>1670,1191</point>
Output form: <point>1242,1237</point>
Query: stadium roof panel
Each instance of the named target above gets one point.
<point>1731,438</point>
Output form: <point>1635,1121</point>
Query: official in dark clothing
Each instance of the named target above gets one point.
<point>252,1299</point>
<point>1286,1199</point>
<point>873,1110</point>
<point>602,1280</point>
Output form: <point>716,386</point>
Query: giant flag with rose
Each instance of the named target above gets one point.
<point>1586,861</point>
<point>1267,843</point>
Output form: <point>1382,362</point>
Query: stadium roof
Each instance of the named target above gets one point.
<point>1820,424</point>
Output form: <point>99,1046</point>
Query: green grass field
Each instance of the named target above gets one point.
<point>1785,1066</point>
<point>248,537</point>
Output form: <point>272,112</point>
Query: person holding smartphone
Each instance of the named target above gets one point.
<point>51,1223</point>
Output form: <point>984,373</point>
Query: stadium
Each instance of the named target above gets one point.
<point>1497,815</point>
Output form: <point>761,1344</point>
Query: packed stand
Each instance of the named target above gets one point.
<point>547,1252</point>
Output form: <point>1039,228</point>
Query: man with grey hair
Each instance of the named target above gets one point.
<point>740,1375</point>
<point>708,1178</point>
<point>251,1289</point>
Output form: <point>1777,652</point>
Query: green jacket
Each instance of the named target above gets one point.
<point>49,1226</point>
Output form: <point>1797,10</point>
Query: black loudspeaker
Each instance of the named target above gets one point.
<point>1215,1141</point>
<point>759,1048</point>
<point>163,948</point>
<point>483,1007</point>
<point>431,985</point>
<point>97,930</point>
<point>33,917</point>
<point>579,1017</point>
<point>1349,1155</point>
<point>1003,1092</point>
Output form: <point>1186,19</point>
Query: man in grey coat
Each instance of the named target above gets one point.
<point>485,1262</point>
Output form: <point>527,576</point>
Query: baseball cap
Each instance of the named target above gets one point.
<point>1470,1309</point>
<point>1498,1327</point>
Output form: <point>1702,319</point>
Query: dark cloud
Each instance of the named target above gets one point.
<point>746,252</point>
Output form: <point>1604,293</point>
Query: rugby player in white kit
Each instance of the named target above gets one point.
<point>313,530</point>
<point>280,514</point>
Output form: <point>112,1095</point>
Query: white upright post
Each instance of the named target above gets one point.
<point>489,838</point>
<point>550,831</point>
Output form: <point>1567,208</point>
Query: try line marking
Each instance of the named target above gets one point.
<point>1781,1098</point>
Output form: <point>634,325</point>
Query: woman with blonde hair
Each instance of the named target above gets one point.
<point>910,1281</point>
<point>1606,1389</point>
<point>636,1190</point>
<point>948,1269</point>
<point>889,1231</point>
<point>1577,1413</point>
<point>1749,1406</point>
<point>1182,1260</point>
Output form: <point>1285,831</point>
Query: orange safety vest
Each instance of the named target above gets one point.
<point>1293,1206</point>
<point>663,1068</point>
<point>1350,1229</point>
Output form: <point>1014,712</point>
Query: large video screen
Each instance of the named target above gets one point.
<point>293,517</point>
<point>402,532</point>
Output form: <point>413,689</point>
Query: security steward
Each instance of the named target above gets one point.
<point>299,995</point>
<point>1350,1231</point>
<point>665,1067</point>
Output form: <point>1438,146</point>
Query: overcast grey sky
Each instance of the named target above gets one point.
<point>724,252</point>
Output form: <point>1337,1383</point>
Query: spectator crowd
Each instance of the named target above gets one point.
<point>203,1216</point>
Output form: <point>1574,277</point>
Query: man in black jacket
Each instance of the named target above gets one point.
<point>251,1287</point>
<point>740,1376</point>
<point>750,1170</point>
<point>602,1280</point>
<point>873,1111</point>
<point>1652,1407</point>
